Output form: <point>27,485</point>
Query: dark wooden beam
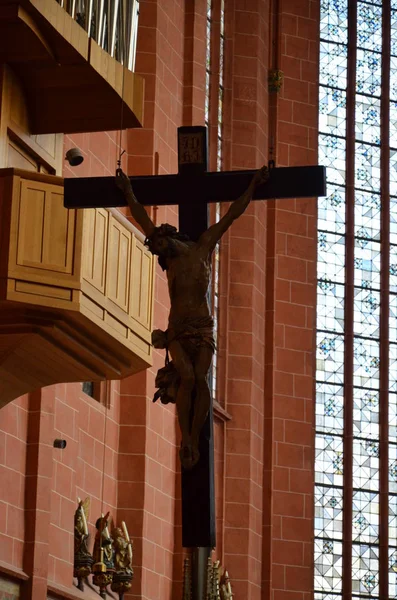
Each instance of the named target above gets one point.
<point>159,190</point>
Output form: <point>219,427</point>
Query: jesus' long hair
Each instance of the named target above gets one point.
<point>167,231</point>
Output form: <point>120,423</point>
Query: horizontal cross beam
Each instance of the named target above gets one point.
<point>159,190</point>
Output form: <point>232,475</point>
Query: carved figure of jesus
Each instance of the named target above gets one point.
<point>189,337</point>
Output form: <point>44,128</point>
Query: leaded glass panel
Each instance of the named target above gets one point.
<point>368,119</point>
<point>366,464</point>
<point>332,118</point>
<point>393,367</point>
<point>393,26</point>
<point>331,257</point>
<point>393,520</point>
<point>332,155</point>
<point>328,565</point>
<point>366,363</point>
<point>329,460</point>
<point>393,268</point>
<point>328,512</point>
<point>369,72</point>
<point>365,570</point>
<point>333,65</point>
<point>392,572</point>
<point>330,352</point>
<point>367,263</point>
<point>331,210</point>
<point>393,468</point>
<point>366,312</point>
<point>393,173</point>
<point>365,517</point>
<point>393,220</point>
<point>393,418</point>
<point>366,413</point>
<point>367,215</point>
<point>330,306</point>
<point>369,26</point>
<point>333,23</point>
<point>329,413</point>
<point>367,167</point>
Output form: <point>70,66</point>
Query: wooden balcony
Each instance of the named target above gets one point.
<point>76,289</point>
<point>72,84</point>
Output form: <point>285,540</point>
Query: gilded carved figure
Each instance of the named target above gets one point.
<point>122,549</point>
<point>189,338</point>
<point>103,541</point>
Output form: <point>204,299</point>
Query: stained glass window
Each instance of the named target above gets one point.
<point>356,408</point>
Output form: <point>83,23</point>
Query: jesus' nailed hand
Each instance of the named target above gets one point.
<point>189,337</point>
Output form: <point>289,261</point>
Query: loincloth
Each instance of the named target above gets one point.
<point>192,333</point>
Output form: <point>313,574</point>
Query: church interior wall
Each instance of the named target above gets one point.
<point>264,447</point>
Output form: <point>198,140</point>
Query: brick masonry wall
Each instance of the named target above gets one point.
<point>264,455</point>
<point>290,316</point>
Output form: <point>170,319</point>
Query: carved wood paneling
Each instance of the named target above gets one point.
<point>79,284</point>
<point>96,224</point>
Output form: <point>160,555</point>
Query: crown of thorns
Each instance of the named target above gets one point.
<point>165,230</point>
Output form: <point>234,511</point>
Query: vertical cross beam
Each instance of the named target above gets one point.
<point>198,487</point>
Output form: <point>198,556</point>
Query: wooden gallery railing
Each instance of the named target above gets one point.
<point>76,289</point>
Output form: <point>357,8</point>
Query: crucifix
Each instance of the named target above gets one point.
<point>187,256</point>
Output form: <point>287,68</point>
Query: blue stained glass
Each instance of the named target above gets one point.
<point>365,570</point>
<point>367,263</point>
<point>330,351</point>
<point>332,154</point>
<point>333,65</point>
<point>330,306</point>
<point>333,20</point>
<point>366,312</point>
<point>367,215</point>
<point>367,167</point>
<point>366,363</point>
<point>332,106</point>
<point>369,73</point>
<point>365,517</point>
<point>367,119</point>
<point>331,257</point>
<point>331,210</point>
<point>329,413</point>
<point>369,26</point>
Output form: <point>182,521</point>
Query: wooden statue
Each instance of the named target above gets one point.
<point>122,549</point>
<point>124,573</point>
<point>82,557</point>
<point>103,567</point>
<point>189,337</point>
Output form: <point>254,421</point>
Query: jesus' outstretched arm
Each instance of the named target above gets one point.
<point>211,237</point>
<point>137,210</point>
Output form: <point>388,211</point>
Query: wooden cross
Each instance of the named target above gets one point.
<point>192,189</point>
